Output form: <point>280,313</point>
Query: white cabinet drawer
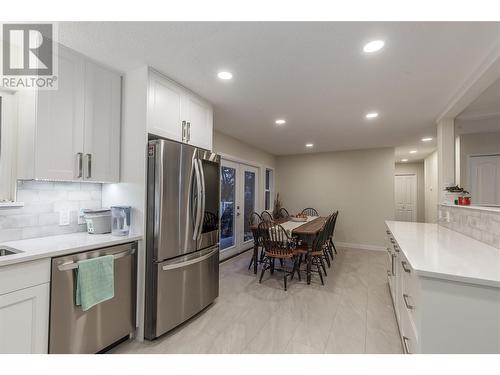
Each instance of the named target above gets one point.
<point>408,334</point>
<point>410,294</point>
<point>24,275</point>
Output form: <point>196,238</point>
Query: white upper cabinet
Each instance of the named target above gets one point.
<point>58,122</point>
<point>200,122</point>
<point>164,108</point>
<point>176,113</point>
<point>72,133</point>
<point>102,124</point>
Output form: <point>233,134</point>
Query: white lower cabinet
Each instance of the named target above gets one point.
<point>24,307</point>
<point>437,315</point>
<point>24,320</point>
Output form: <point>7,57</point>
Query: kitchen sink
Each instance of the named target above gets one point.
<point>5,251</point>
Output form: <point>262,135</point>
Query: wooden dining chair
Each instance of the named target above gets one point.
<point>254,220</point>
<point>332,232</point>
<point>277,245</point>
<point>310,211</point>
<point>266,216</point>
<point>316,253</point>
<point>283,213</point>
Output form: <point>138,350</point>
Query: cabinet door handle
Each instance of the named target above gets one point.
<point>408,306</point>
<point>405,343</point>
<point>396,248</point>
<point>188,131</point>
<point>403,263</point>
<point>79,162</point>
<point>89,165</point>
<point>183,131</point>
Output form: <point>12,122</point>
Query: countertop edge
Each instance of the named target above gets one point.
<point>27,256</point>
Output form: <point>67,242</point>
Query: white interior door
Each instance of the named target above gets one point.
<point>485,179</point>
<point>405,193</point>
<point>239,184</point>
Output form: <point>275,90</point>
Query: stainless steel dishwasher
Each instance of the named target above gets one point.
<point>75,331</point>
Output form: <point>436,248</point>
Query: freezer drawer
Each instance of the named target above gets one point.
<point>185,286</point>
<point>75,331</point>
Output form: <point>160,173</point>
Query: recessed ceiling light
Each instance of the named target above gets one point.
<point>309,145</point>
<point>225,75</point>
<point>428,139</point>
<point>413,151</point>
<point>373,46</point>
<point>280,122</point>
<point>371,115</point>
<point>404,160</point>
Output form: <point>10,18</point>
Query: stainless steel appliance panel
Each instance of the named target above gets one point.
<point>186,285</point>
<point>75,331</point>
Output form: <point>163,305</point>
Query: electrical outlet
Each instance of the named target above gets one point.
<point>81,220</point>
<point>64,217</point>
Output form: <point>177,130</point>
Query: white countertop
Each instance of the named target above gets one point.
<point>52,246</point>
<point>435,251</point>
<point>474,207</point>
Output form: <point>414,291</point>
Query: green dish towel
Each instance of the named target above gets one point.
<point>94,281</point>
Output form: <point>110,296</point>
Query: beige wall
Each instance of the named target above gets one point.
<point>431,187</point>
<point>228,145</point>
<point>418,170</point>
<point>360,184</point>
<point>476,144</point>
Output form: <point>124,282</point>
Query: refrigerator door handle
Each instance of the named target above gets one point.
<point>198,200</point>
<point>202,211</point>
<point>173,266</point>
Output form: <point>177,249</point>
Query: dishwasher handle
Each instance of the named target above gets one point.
<point>74,265</point>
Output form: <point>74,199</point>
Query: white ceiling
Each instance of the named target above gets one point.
<point>312,74</point>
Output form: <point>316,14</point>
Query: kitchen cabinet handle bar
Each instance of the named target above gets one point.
<point>405,343</point>
<point>74,265</point>
<point>403,263</point>
<point>188,131</point>
<point>408,306</point>
<point>183,131</point>
<point>89,165</point>
<point>79,161</point>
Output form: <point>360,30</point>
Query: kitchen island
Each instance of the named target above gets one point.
<point>445,288</point>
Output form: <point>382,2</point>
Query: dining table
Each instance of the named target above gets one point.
<point>303,231</point>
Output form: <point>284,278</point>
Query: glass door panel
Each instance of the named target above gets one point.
<point>239,184</point>
<point>227,206</point>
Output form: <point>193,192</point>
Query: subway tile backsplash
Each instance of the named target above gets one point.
<point>481,225</point>
<point>43,201</point>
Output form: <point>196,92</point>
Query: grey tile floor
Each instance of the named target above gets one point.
<point>351,313</point>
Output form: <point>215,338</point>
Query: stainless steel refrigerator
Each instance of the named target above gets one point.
<point>182,234</point>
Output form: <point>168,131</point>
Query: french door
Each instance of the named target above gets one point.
<point>239,198</point>
<point>405,194</point>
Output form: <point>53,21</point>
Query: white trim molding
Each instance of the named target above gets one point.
<point>347,245</point>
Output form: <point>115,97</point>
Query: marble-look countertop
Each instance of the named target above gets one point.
<point>52,246</point>
<point>435,251</point>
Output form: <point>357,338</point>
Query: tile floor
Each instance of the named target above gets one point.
<point>352,313</point>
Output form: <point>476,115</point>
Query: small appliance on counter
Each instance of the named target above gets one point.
<point>98,221</point>
<point>120,220</point>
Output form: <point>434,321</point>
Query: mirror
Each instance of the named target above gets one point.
<point>477,148</point>
<point>8,141</point>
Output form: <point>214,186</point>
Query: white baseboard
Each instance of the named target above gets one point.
<point>347,245</point>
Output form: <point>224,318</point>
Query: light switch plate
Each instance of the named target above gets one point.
<point>64,217</point>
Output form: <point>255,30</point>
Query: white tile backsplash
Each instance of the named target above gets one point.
<point>481,225</point>
<point>43,202</point>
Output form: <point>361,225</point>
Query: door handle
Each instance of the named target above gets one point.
<point>188,131</point>
<point>203,195</point>
<point>169,267</point>
<point>89,165</point>
<point>403,264</point>
<point>405,299</point>
<point>79,161</point>
<point>183,131</point>
<point>198,202</point>
<point>405,343</point>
